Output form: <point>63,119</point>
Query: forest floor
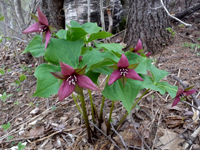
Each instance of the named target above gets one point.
<point>46,123</point>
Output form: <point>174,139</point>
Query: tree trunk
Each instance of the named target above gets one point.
<point>18,10</point>
<point>5,28</point>
<point>148,22</point>
<point>53,10</point>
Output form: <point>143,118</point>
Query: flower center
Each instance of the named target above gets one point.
<point>123,71</point>
<point>43,28</point>
<point>72,79</point>
<point>182,95</point>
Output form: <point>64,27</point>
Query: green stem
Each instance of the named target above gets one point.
<point>120,122</point>
<point>108,123</point>
<point>102,105</point>
<point>79,109</point>
<point>85,116</point>
<point>92,105</point>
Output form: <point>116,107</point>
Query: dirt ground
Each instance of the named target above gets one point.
<point>45,123</point>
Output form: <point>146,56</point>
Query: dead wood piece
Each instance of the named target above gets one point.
<point>188,11</point>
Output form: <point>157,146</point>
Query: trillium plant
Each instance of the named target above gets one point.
<point>74,66</point>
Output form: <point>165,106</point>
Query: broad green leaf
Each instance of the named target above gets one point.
<point>64,51</point>
<point>6,126</point>
<point>127,94</point>
<point>157,73</point>
<point>148,83</point>
<point>99,35</point>
<point>35,47</point>
<point>74,24</point>
<point>172,90</point>
<point>75,33</point>
<point>95,59</point>
<point>91,27</point>
<point>111,47</point>
<point>104,70</point>
<point>93,76</point>
<point>62,34</point>
<point>47,84</point>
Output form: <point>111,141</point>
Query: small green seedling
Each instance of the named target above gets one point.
<point>21,146</point>
<point>4,96</point>
<point>10,137</point>
<point>171,31</point>
<point>6,126</point>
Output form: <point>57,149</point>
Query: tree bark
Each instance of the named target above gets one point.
<point>53,10</point>
<point>148,22</point>
<point>18,10</point>
<point>4,12</point>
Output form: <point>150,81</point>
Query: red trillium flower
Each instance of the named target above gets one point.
<point>182,93</point>
<point>124,70</point>
<point>42,25</point>
<point>73,80</point>
<point>138,49</point>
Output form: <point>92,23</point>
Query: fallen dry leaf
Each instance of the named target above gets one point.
<point>168,136</point>
<point>174,121</point>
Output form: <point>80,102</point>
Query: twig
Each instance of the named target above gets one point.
<point>190,105</point>
<point>102,15</point>
<point>119,136</point>
<point>187,38</point>
<point>192,138</point>
<point>161,1</point>
<point>104,134</point>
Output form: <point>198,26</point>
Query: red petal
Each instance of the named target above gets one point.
<point>177,99</point>
<point>32,28</point>
<point>42,18</point>
<point>147,54</point>
<point>85,82</point>
<point>123,62</point>
<point>180,91</point>
<point>190,92</point>
<point>65,90</point>
<point>114,76</point>
<point>66,69</point>
<point>132,74</point>
<point>47,38</point>
<point>138,46</point>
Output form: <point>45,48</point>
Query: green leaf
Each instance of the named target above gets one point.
<point>95,59</point>
<point>99,35</point>
<point>1,18</point>
<point>104,70</point>
<point>10,137</point>
<point>127,94</point>
<point>6,126</point>
<point>172,90</point>
<point>62,34</point>
<point>35,47</point>
<point>91,27</point>
<point>111,47</point>
<point>74,24</point>
<point>2,72</point>
<point>65,51</point>
<point>75,33</point>
<point>93,76</point>
<point>47,84</point>
<point>22,77</point>
<point>21,146</point>
<point>1,38</point>
<point>157,73</point>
